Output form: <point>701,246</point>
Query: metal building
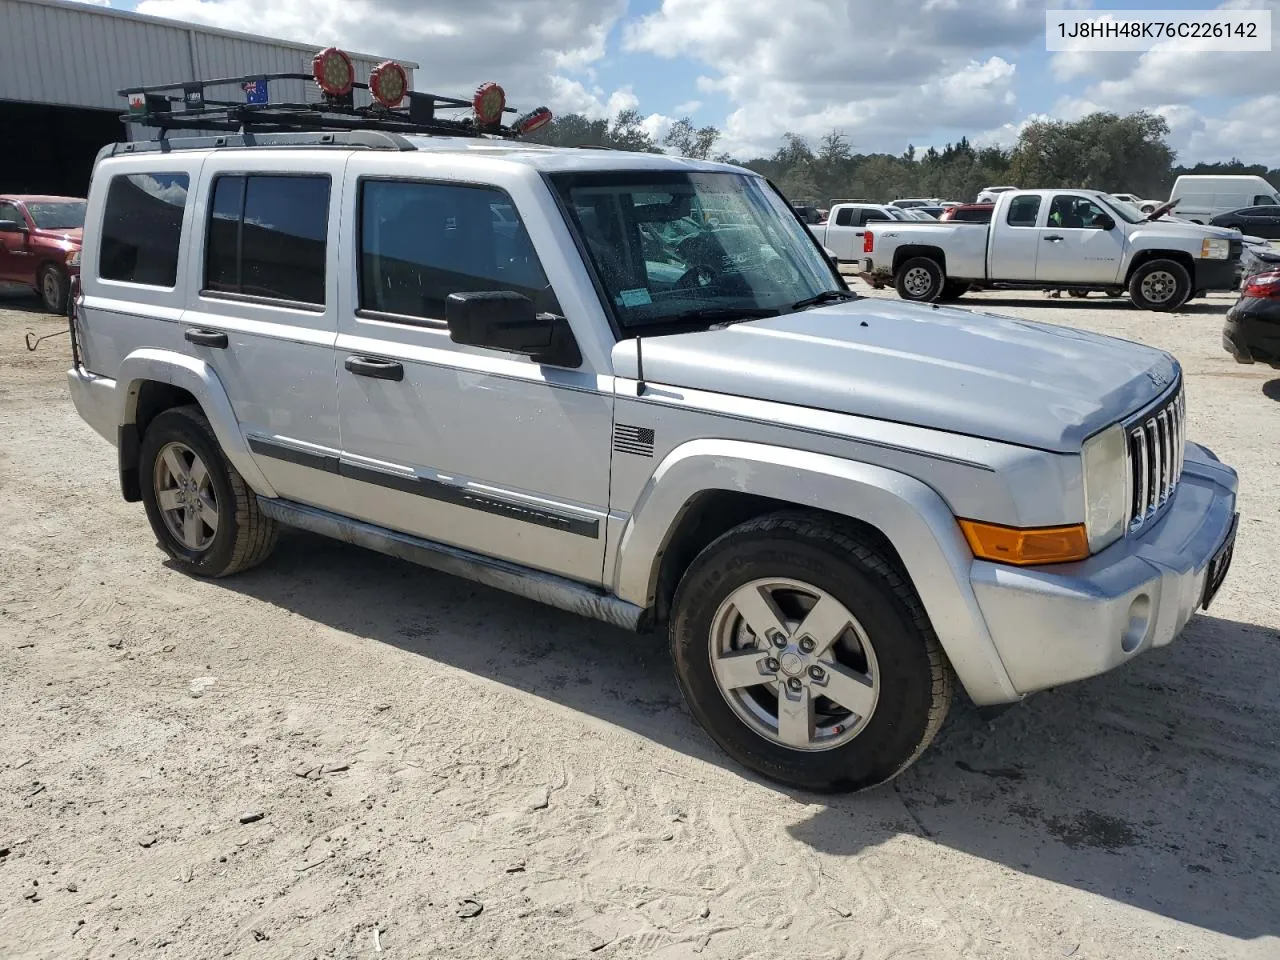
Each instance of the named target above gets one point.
<point>61,64</point>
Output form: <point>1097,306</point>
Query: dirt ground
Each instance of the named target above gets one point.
<point>434,769</point>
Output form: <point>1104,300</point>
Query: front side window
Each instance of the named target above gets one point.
<point>420,242</point>
<point>1262,200</point>
<point>738,253</point>
<point>57,214</point>
<point>1075,213</point>
<point>142,228</point>
<point>1023,211</point>
<point>10,212</point>
<point>267,237</point>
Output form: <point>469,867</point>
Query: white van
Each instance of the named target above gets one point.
<point>1202,197</point>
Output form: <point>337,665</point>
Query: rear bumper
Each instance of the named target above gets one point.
<point>1252,339</point>
<point>94,398</point>
<point>1055,625</point>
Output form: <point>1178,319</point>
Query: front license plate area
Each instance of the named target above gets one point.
<point>1219,565</point>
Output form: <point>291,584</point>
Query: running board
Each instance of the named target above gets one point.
<point>554,591</point>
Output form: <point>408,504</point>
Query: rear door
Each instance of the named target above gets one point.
<point>1074,245</point>
<point>1015,239</point>
<point>264,312</point>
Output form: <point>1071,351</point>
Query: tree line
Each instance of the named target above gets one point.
<point>1102,151</point>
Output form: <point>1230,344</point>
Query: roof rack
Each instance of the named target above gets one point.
<point>333,71</point>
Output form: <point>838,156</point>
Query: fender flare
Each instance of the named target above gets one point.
<point>910,514</point>
<point>201,381</point>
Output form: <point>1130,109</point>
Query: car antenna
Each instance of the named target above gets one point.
<point>641,386</point>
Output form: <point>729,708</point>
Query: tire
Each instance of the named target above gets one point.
<point>241,537</point>
<point>1079,294</point>
<point>52,288</point>
<point>1160,285</point>
<point>906,670</point>
<point>953,290</point>
<point>912,284</point>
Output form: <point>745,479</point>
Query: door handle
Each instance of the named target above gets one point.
<point>1054,238</point>
<point>376,368</point>
<point>207,338</point>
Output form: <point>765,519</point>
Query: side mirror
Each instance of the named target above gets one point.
<point>12,226</point>
<point>1105,222</point>
<point>505,320</point>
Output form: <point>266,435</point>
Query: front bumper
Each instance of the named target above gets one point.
<point>1054,625</point>
<point>1216,274</point>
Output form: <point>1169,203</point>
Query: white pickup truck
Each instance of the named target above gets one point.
<point>1055,239</point>
<point>842,233</point>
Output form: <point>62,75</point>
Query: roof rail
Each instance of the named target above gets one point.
<point>334,72</point>
<point>357,139</point>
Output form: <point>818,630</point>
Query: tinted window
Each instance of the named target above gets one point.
<point>844,217</point>
<point>267,237</point>
<point>141,228</point>
<point>1262,200</point>
<point>9,212</point>
<point>420,242</point>
<point>1023,211</point>
<point>1266,211</point>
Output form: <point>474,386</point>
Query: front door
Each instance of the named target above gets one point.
<point>14,258</point>
<point>1075,246</point>
<point>470,447</point>
<point>264,313</point>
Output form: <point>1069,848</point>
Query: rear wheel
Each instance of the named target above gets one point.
<point>202,512</point>
<point>920,279</point>
<point>806,656</point>
<point>1079,294</point>
<point>53,288</point>
<point>1160,285</point>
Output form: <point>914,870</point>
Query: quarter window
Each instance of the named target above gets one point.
<point>267,237</point>
<point>1023,211</point>
<point>420,242</point>
<point>142,228</point>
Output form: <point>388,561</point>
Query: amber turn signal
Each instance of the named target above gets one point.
<point>1026,546</point>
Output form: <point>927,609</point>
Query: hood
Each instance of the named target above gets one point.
<point>968,372</point>
<point>74,235</point>
<point>1185,228</point>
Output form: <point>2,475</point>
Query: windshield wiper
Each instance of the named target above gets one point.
<point>826,296</point>
<point>725,315</point>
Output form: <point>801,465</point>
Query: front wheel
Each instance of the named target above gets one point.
<point>953,290</point>
<point>53,288</point>
<point>806,656</point>
<point>1160,285</point>
<point>202,512</point>
<point>920,279</point>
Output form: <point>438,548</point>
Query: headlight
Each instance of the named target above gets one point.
<point>1106,486</point>
<point>1214,248</point>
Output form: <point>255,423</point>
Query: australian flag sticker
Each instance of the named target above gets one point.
<point>255,91</point>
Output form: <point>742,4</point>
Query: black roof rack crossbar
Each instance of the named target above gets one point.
<point>153,106</point>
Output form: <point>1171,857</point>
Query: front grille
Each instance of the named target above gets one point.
<point>1235,248</point>
<point>1156,440</point>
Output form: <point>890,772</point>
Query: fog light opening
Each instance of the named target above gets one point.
<point>1139,620</point>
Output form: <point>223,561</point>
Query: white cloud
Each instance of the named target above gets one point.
<point>687,108</point>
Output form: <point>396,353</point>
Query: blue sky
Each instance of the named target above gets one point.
<point>883,73</point>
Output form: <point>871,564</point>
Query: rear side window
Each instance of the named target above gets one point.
<point>844,217</point>
<point>1023,211</point>
<point>142,228</point>
<point>267,238</point>
<point>420,242</point>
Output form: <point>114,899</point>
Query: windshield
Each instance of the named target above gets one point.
<point>60,215</point>
<point>1125,211</point>
<point>693,248</point>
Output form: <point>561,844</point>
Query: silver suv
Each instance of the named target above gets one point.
<point>631,386</point>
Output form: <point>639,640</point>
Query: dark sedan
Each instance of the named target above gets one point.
<point>1257,221</point>
<point>1252,331</point>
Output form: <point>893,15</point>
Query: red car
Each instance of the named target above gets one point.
<point>969,213</point>
<point>40,244</point>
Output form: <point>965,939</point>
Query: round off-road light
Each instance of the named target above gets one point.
<point>388,83</point>
<point>334,71</point>
<point>535,118</point>
<point>489,102</point>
